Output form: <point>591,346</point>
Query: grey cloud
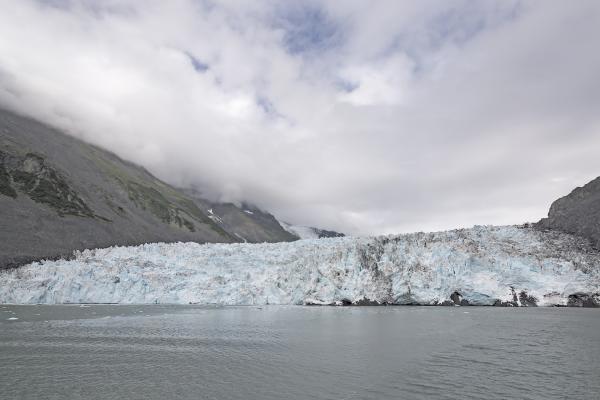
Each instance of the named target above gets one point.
<point>366,117</point>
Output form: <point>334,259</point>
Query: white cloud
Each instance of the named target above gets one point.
<point>358,116</point>
<point>381,83</point>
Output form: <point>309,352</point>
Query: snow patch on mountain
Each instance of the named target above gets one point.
<point>214,216</point>
<point>480,266</point>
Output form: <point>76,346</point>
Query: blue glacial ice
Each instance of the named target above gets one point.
<point>483,265</point>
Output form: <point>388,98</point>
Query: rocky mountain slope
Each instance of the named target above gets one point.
<point>59,194</point>
<point>246,222</point>
<point>502,266</point>
<point>577,213</point>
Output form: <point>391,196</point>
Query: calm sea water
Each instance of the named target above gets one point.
<point>188,352</point>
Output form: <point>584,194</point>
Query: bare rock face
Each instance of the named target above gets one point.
<point>584,300</point>
<point>577,213</point>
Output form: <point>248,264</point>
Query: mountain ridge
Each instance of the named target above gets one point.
<point>577,213</point>
<point>59,194</point>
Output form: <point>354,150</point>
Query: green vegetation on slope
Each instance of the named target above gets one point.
<point>150,199</point>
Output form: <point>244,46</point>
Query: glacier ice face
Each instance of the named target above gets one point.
<point>481,266</point>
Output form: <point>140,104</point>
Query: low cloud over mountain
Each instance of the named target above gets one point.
<point>355,116</point>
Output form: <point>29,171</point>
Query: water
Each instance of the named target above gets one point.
<point>191,352</point>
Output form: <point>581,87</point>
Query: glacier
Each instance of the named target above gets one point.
<point>483,265</point>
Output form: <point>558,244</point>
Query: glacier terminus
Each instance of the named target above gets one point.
<point>483,265</point>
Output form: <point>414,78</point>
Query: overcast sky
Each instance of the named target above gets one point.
<point>360,116</point>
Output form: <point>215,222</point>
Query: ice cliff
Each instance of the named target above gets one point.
<point>479,266</point>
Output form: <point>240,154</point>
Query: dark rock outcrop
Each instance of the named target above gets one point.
<point>322,233</point>
<point>527,300</point>
<point>458,300</point>
<point>367,302</point>
<point>577,213</point>
<point>584,300</point>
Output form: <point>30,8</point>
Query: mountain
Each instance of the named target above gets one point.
<point>246,222</point>
<point>59,194</point>
<point>484,265</point>
<point>577,213</point>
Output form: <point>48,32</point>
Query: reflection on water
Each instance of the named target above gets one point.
<point>191,352</point>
